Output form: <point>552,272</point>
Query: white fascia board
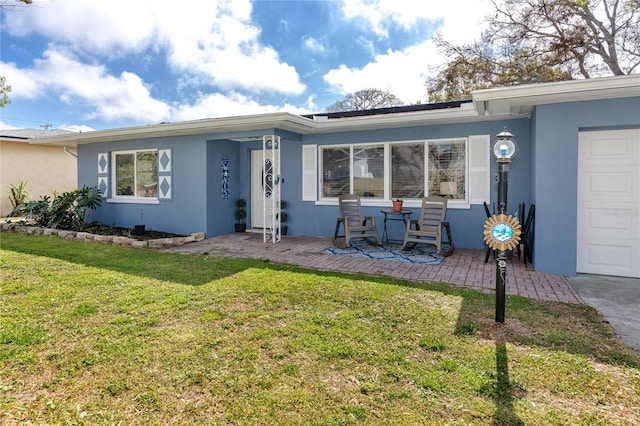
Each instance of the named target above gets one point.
<point>207,126</point>
<point>520,100</point>
<point>405,119</point>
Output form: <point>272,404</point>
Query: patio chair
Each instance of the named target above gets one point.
<point>428,228</point>
<point>489,250</point>
<point>527,235</point>
<point>355,224</point>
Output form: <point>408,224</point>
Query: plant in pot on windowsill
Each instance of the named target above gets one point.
<point>241,215</point>
<point>139,229</point>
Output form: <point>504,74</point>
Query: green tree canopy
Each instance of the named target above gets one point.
<point>4,91</point>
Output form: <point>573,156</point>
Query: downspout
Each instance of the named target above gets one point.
<point>66,151</point>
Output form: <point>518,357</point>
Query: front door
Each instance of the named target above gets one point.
<point>258,172</point>
<point>609,203</point>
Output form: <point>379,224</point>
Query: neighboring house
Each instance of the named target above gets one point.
<point>578,161</point>
<point>45,168</point>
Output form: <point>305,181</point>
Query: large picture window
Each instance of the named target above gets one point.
<point>136,174</point>
<point>368,171</point>
<point>447,165</point>
<point>336,171</point>
<point>408,170</point>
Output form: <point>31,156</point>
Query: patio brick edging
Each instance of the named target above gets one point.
<point>112,239</point>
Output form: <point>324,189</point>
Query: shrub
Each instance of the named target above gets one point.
<point>67,210</point>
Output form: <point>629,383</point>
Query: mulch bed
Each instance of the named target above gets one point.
<point>149,234</point>
<point>116,231</point>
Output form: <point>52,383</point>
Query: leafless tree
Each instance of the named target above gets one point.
<point>365,99</point>
<point>8,4</point>
<point>543,40</point>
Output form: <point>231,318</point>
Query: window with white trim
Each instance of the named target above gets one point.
<point>408,170</point>
<point>135,174</point>
<point>447,168</point>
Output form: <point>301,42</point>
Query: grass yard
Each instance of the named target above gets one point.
<point>94,334</point>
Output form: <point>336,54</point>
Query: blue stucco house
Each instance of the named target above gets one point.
<point>578,161</point>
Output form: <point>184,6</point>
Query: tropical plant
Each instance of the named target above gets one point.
<point>66,211</point>
<point>18,197</point>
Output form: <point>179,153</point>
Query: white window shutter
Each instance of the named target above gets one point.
<point>103,173</point>
<point>309,175</point>
<point>165,172</point>
<point>479,169</point>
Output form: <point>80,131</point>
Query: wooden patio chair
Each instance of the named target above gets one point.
<point>355,224</point>
<point>428,228</point>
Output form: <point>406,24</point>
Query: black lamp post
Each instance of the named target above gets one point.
<point>503,149</point>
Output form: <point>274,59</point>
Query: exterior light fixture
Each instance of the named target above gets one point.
<point>505,147</point>
<point>502,232</point>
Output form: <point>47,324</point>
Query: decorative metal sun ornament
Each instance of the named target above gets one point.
<point>502,232</point>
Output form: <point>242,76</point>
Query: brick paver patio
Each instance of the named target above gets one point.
<point>465,268</point>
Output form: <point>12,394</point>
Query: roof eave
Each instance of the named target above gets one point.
<point>522,99</point>
<point>209,126</point>
<point>407,119</point>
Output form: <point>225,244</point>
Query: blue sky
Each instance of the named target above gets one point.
<point>89,65</point>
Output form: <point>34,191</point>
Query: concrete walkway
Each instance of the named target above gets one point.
<point>465,268</point>
<point>617,299</point>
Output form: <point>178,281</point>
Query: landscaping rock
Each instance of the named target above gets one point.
<point>113,239</point>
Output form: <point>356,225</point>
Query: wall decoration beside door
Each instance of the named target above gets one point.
<point>225,191</point>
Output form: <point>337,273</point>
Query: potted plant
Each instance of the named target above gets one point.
<point>139,229</point>
<point>283,218</point>
<point>241,215</point>
<point>397,204</point>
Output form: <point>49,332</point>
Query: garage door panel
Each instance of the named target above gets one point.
<point>608,222</point>
<point>609,258</point>
<point>609,148</point>
<point>610,185</point>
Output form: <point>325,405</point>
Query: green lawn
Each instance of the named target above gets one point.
<point>99,334</point>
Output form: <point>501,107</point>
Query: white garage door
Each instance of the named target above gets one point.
<point>609,203</point>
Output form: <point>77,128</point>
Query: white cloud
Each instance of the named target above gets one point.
<point>213,46</point>
<point>213,40</point>
<point>404,72</point>
<point>22,83</point>
<point>76,128</point>
<point>314,45</point>
<point>461,19</point>
<point>232,104</point>
<point>109,97</point>
<point>401,73</point>
<point>105,27</point>
<point>5,126</point>
<point>380,14</point>
<point>228,53</point>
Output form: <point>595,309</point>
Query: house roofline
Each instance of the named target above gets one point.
<point>521,100</point>
<point>487,105</point>
<point>280,120</point>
